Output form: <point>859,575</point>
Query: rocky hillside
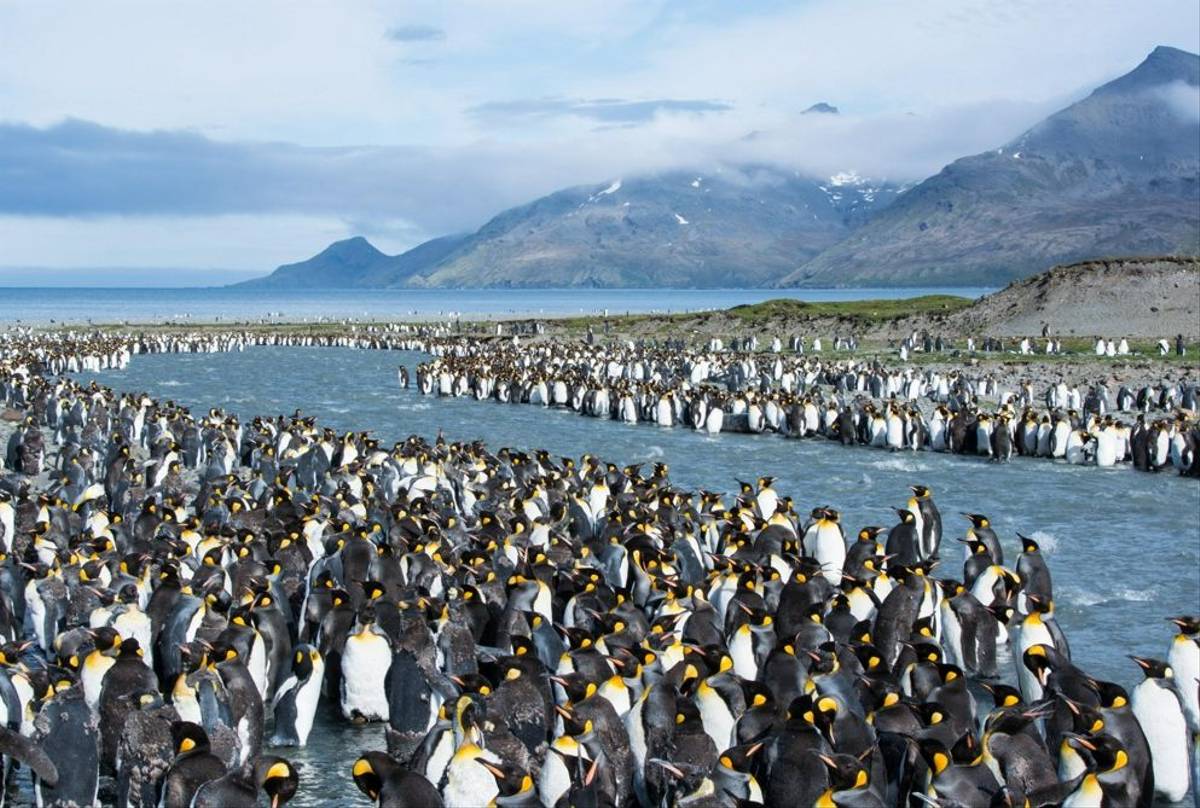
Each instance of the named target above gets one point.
<point>1117,173</point>
<point>1120,297</point>
<point>737,229</point>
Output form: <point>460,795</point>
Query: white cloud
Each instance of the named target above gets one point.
<point>247,242</point>
<point>1183,99</point>
<point>918,84</point>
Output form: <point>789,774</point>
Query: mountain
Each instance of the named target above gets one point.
<point>340,264</point>
<point>356,263</point>
<point>1117,173</point>
<point>729,228</point>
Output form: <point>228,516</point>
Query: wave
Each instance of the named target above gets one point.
<point>1078,596</point>
<point>899,463</point>
<point>1046,541</point>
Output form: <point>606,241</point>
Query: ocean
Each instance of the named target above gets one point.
<point>79,306</point>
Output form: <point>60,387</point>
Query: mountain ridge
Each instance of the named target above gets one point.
<point>1116,173</point>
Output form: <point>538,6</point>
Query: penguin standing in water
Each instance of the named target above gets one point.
<point>366,658</point>
<point>1184,659</point>
<point>296,702</point>
<point>1034,573</point>
<point>931,521</point>
<point>904,540</point>
<point>981,530</point>
<point>16,747</point>
<point>1158,709</point>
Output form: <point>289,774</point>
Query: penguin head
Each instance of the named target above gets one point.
<point>146,700</point>
<point>846,772</point>
<point>107,639</point>
<point>687,717</point>
<point>473,683</point>
<point>370,771</point>
<point>870,533</point>
<point>1154,668</point>
<point>511,780</point>
<point>58,679</point>
<point>130,649</point>
<point>1188,625</point>
<point>1103,753</point>
<point>1003,696</point>
<point>188,738</point>
<point>223,651</point>
<point>740,758</point>
<point>277,778</point>
<point>974,545</point>
<point>1037,660</point>
<point>977,520</point>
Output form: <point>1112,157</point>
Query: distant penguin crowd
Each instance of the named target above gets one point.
<point>181,592</point>
<point>855,403</point>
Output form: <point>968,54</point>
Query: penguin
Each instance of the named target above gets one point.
<point>126,678</point>
<point>246,714</point>
<point>17,747</point>
<point>904,540</point>
<point>144,749</point>
<point>1158,709</point>
<point>274,776</point>
<point>366,657</point>
<point>981,530</point>
<point>931,521</point>
<point>824,541</point>
<point>467,782</point>
<point>66,729</point>
<point>1106,778</point>
<point>295,704</point>
<point>1033,572</point>
<point>97,663</point>
<point>193,766</point>
<point>1118,720</point>
<point>1184,660</point>
<point>389,784</point>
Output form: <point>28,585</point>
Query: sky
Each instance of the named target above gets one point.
<point>242,135</point>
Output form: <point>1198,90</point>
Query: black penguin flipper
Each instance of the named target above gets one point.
<point>969,642</point>
<point>15,745</point>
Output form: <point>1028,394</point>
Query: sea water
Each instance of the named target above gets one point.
<point>233,304</point>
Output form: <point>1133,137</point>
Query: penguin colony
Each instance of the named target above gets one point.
<point>185,591</point>
<point>865,403</point>
<point>852,402</point>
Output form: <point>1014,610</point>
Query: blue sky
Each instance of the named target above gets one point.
<point>242,135</point>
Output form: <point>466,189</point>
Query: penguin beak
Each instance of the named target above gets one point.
<point>668,766</point>
<point>498,773</point>
<point>1082,741</point>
